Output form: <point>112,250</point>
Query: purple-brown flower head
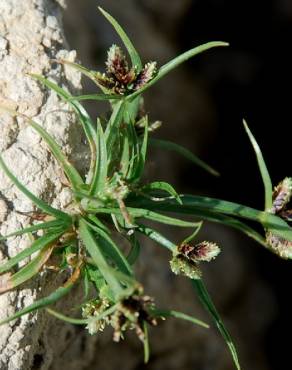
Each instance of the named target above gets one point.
<point>188,256</point>
<point>146,75</point>
<point>119,78</point>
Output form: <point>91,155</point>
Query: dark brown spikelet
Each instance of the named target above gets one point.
<point>131,314</point>
<point>146,75</point>
<point>282,195</point>
<point>280,246</point>
<point>117,66</point>
<point>205,251</point>
<point>281,199</point>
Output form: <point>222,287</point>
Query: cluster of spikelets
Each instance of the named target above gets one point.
<point>113,202</point>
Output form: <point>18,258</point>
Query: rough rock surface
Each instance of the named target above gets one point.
<point>30,36</point>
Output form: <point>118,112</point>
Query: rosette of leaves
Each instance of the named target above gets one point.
<point>112,199</point>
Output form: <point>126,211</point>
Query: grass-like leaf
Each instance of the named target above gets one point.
<point>144,213</point>
<point>65,318</point>
<point>40,243</point>
<point>34,228</point>
<point>135,250</point>
<point>29,270</point>
<point>72,174</point>
<point>41,303</point>
<point>93,248</point>
<point>112,131</point>
<point>142,155</point>
<point>179,315</point>
<point>37,201</point>
<point>146,343</point>
<point>100,172</point>
<point>263,169</point>
<point>82,115</point>
<point>169,145</point>
<point>210,307</point>
<point>193,204</point>
<point>112,250</point>
<point>98,97</point>
<point>174,63</point>
<point>156,236</point>
<point>162,186</point>
<point>135,58</point>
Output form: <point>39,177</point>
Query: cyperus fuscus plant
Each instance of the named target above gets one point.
<point>112,199</point>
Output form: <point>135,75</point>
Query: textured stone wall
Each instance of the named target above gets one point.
<point>30,36</point>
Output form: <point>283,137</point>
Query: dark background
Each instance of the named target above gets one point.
<point>202,106</point>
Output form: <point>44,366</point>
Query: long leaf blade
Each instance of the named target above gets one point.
<point>179,315</point>
<point>100,172</point>
<point>263,168</point>
<point>72,174</point>
<point>30,269</point>
<point>210,307</point>
<point>174,63</point>
<point>163,186</point>
<point>37,201</point>
<point>112,250</point>
<point>98,97</point>
<point>41,303</point>
<point>36,246</point>
<point>94,250</point>
<point>135,58</point>
<point>83,116</point>
<point>34,228</point>
<point>192,203</point>
<point>168,145</point>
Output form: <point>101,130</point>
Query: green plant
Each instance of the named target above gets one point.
<point>113,200</point>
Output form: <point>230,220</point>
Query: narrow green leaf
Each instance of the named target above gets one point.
<point>112,250</point>
<point>32,268</point>
<point>142,155</point>
<point>98,223</point>
<point>125,154</point>
<point>179,315</point>
<point>100,172</point>
<point>37,201</point>
<point>232,222</point>
<point>72,174</point>
<point>95,252</point>
<point>168,145</point>
<point>192,204</point>
<point>157,237</point>
<point>135,58</point>
<point>194,234</point>
<point>135,250</point>
<point>82,115</point>
<point>52,298</point>
<point>263,169</point>
<point>112,131</point>
<point>146,343</point>
<point>143,213</point>
<point>40,243</point>
<point>163,186</point>
<point>132,110</point>
<point>210,307</point>
<point>34,228</point>
<point>65,318</point>
<point>98,97</point>
<point>174,63</point>
<point>134,152</point>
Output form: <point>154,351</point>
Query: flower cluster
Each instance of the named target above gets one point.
<point>130,313</point>
<point>119,78</point>
<point>187,257</point>
<point>281,200</point>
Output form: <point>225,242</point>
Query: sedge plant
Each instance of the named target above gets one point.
<point>114,199</point>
